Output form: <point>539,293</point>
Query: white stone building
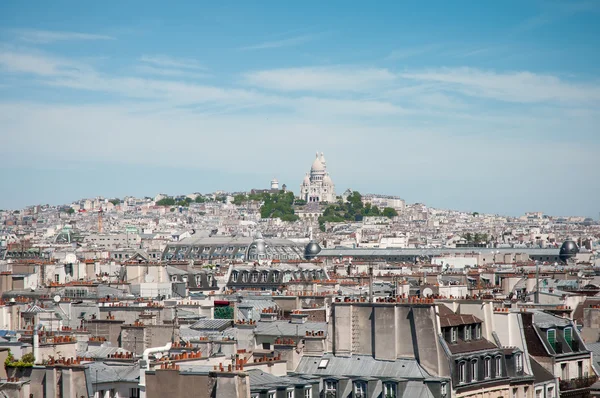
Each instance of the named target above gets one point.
<point>317,185</point>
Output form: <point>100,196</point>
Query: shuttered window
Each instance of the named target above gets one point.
<point>551,335</point>
<point>569,336</point>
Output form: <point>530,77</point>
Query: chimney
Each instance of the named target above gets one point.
<point>298,317</point>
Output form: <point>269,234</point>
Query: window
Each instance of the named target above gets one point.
<point>580,369</point>
<point>478,331</point>
<point>271,394</point>
<point>461,372</point>
<point>519,362</point>
<point>568,332</point>
<point>289,394</point>
<point>515,392</point>
<point>474,370</point>
<point>308,392</point>
<point>234,276</point>
<point>487,368</point>
<point>551,336</point>
<point>443,389</point>
<point>538,393</point>
<point>389,390</point>
<point>134,392</point>
<point>467,332</point>
<point>330,388</point>
<point>564,371</point>
<point>56,278</point>
<point>323,363</point>
<point>498,366</point>
<point>360,389</point>
<point>550,392</point>
<point>453,334</point>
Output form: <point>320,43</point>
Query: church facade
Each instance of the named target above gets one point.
<point>317,185</point>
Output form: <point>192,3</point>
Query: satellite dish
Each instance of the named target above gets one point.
<point>56,299</point>
<point>427,292</point>
<point>580,274</point>
<point>12,300</point>
<point>104,278</point>
<point>149,278</point>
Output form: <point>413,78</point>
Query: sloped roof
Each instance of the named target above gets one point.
<point>288,329</point>
<point>110,372</point>
<point>212,324</point>
<point>362,366</point>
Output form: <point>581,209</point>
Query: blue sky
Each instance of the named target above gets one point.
<point>471,105</point>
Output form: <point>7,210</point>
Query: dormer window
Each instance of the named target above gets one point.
<point>443,389</point>
<point>498,366</point>
<point>467,332</point>
<point>462,372</point>
<point>389,390</point>
<point>234,276</point>
<point>360,389</point>
<point>487,368</point>
<point>474,369</point>
<point>453,334</point>
<point>478,331</point>
<point>519,362</point>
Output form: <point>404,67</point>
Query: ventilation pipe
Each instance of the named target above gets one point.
<point>36,344</point>
<point>145,365</point>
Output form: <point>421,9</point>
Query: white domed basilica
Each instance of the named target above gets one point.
<point>318,186</point>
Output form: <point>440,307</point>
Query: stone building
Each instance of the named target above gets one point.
<point>317,185</point>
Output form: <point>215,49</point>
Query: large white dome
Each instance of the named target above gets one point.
<point>317,165</point>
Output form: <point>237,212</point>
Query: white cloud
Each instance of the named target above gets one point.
<point>321,79</point>
<point>289,42</point>
<point>520,87</point>
<point>171,62</point>
<point>48,36</point>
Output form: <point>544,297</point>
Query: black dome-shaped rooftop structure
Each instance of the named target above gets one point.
<point>568,250</point>
<point>311,250</point>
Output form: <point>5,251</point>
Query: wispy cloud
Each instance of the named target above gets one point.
<point>519,87</point>
<point>289,42</point>
<point>320,79</point>
<point>171,62</point>
<point>169,72</point>
<point>49,36</point>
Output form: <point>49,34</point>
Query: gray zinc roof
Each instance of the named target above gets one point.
<point>288,329</point>
<point>363,366</point>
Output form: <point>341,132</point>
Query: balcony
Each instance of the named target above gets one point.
<point>576,384</point>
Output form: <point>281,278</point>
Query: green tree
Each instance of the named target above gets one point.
<point>166,202</point>
<point>70,210</point>
<point>115,201</point>
<point>239,199</point>
<point>278,205</point>
<point>200,199</point>
<point>389,212</point>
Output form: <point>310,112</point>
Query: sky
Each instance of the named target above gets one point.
<point>470,105</point>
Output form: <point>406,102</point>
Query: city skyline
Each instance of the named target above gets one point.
<point>476,107</point>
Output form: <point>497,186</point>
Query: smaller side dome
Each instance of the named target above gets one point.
<point>311,250</point>
<point>327,180</point>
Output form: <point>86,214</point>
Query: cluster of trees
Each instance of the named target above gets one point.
<point>115,201</point>
<point>185,202</point>
<point>353,210</point>
<point>475,238</point>
<point>278,205</point>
